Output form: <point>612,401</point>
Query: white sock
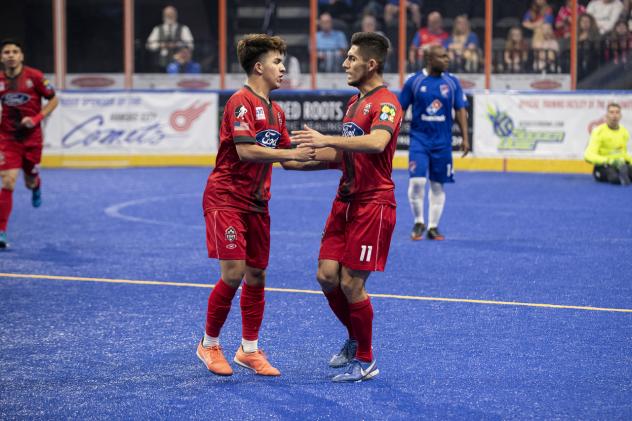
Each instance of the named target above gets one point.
<point>416,191</point>
<point>249,346</point>
<point>209,341</point>
<point>436,199</point>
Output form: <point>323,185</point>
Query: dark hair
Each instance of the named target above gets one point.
<point>10,41</point>
<point>372,46</point>
<point>251,47</point>
<point>613,104</point>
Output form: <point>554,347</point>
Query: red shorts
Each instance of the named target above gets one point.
<point>238,235</point>
<point>358,235</point>
<point>16,155</point>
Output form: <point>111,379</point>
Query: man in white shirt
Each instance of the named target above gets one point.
<point>606,13</point>
<point>169,37</point>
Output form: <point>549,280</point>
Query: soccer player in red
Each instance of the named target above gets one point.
<point>21,91</point>
<point>253,135</point>
<point>358,231</point>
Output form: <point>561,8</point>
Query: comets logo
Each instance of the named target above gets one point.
<point>182,120</point>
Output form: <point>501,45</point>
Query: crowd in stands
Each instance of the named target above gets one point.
<point>529,35</point>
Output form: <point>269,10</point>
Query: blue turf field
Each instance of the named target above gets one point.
<point>99,350</point>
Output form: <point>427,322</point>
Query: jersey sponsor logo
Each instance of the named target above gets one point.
<point>240,112</point>
<point>432,110</point>
<point>268,138</point>
<point>14,99</point>
<point>259,113</point>
<point>519,139</point>
<point>351,129</point>
<point>387,112</point>
<point>445,90</point>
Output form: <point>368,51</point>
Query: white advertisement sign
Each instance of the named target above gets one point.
<point>540,125</point>
<point>124,123</point>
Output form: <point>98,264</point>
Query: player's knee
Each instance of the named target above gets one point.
<point>255,277</point>
<point>351,288</point>
<point>233,273</point>
<point>416,187</point>
<point>8,182</point>
<point>327,278</point>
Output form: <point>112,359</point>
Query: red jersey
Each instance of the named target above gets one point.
<point>366,177</point>
<point>21,97</point>
<point>248,118</point>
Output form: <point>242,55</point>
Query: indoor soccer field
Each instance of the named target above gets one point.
<point>525,311</point>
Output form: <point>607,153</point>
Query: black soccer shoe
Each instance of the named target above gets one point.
<point>418,231</point>
<point>624,176</point>
<point>434,234</point>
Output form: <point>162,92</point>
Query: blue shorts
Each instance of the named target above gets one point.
<point>435,164</point>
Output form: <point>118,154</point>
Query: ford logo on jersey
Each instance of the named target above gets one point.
<point>351,129</point>
<point>15,99</point>
<point>268,138</point>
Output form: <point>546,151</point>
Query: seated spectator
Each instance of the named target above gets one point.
<point>516,51</point>
<point>588,45</point>
<point>563,19</point>
<point>619,44</point>
<point>167,38</point>
<point>545,50</point>
<point>606,13</point>
<point>538,14</point>
<point>433,34</point>
<point>330,44</point>
<point>463,46</point>
<point>369,24</point>
<point>608,149</point>
<point>182,63</point>
<point>391,12</point>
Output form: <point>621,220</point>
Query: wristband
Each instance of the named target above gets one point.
<point>36,119</point>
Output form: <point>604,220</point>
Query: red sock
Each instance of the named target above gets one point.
<point>218,307</point>
<point>6,203</point>
<point>362,322</point>
<point>252,303</point>
<point>340,306</point>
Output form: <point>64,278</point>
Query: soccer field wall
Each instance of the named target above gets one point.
<point>510,131</point>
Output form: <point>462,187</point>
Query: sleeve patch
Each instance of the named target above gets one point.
<point>240,112</point>
<point>387,112</point>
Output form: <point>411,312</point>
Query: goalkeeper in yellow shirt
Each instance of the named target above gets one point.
<point>608,149</point>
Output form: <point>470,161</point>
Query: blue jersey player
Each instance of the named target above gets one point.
<point>433,93</point>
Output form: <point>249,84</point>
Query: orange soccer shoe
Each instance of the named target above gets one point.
<point>213,358</point>
<point>256,361</point>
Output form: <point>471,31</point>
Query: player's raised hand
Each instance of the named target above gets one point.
<point>465,147</point>
<point>309,137</point>
<point>304,153</point>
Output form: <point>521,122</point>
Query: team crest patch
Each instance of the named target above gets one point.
<point>240,112</point>
<point>259,114</point>
<point>445,90</point>
<point>366,109</point>
<point>231,234</point>
<point>29,83</point>
<point>387,112</point>
<point>1,86</point>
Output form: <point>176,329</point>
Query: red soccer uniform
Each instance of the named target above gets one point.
<point>22,97</point>
<point>237,193</point>
<point>359,228</point>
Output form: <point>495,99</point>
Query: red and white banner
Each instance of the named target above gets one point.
<point>160,123</point>
<point>540,125</point>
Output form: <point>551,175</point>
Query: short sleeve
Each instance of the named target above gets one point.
<point>43,86</point>
<point>406,95</point>
<point>460,100</point>
<point>386,116</point>
<point>241,119</point>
